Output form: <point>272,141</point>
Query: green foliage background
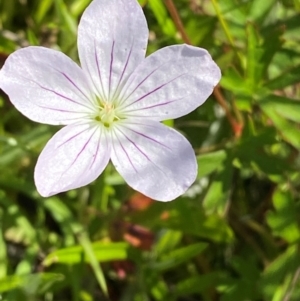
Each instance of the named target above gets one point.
<point>233,237</point>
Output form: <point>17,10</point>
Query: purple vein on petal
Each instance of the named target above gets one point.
<point>123,72</point>
<point>140,83</point>
<point>59,110</point>
<point>124,100</point>
<point>97,150</point>
<point>64,97</point>
<point>83,148</point>
<point>111,66</point>
<point>99,71</point>
<point>63,121</point>
<point>153,91</point>
<point>154,106</point>
<point>147,137</point>
<point>125,153</point>
<point>56,93</point>
<point>134,144</point>
<point>70,80</point>
<point>80,152</point>
<point>69,139</point>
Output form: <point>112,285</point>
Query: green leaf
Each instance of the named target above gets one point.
<point>283,221</point>
<point>195,284</point>
<point>78,6</point>
<point>42,10</point>
<point>161,14</point>
<point>63,215</point>
<point>3,255</point>
<point>252,153</point>
<point>168,241</point>
<point>233,81</point>
<point>281,269</point>
<point>31,283</point>
<point>195,222</point>
<point>259,9</point>
<point>287,130</point>
<point>178,256</point>
<point>20,230</point>
<point>240,287</point>
<point>104,251</point>
<point>287,78</point>
<point>71,227</point>
<point>67,20</point>
<point>210,162</point>
<point>260,52</point>
<point>207,25</point>
<point>233,11</point>
<point>254,53</point>
<point>217,196</point>
<point>283,106</point>
<point>16,149</point>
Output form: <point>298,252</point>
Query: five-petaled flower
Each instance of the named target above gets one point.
<point>112,105</point>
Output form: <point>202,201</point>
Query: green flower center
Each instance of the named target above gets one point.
<point>107,114</point>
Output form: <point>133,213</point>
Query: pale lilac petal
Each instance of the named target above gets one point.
<point>170,83</point>
<point>112,41</point>
<point>46,86</point>
<point>153,159</point>
<point>74,157</point>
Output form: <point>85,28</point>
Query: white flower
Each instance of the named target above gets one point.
<point>112,106</point>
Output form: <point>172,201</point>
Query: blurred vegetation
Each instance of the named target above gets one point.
<point>234,236</point>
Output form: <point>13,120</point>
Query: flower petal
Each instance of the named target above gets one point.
<point>74,157</point>
<point>112,41</point>
<point>170,83</point>
<point>153,159</point>
<point>45,85</point>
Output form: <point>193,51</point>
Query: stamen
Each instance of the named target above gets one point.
<point>106,114</point>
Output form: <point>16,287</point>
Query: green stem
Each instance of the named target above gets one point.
<point>226,29</point>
